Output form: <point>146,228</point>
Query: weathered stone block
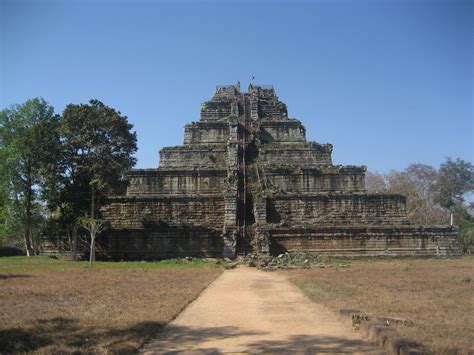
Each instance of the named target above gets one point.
<point>315,180</point>
<point>194,156</point>
<point>282,131</point>
<point>206,133</point>
<point>296,155</point>
<point>334,208</point>
<point>176,181</point>
<point>136,212</point>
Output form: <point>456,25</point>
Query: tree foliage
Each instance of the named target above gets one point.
<point>417,182</point>
<point>62,164</point>
<point>455,178</point>
<point>27,141</point>
<point>98,148</point>
<point>433,195</point>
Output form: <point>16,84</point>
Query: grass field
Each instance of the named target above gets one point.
<point>438,294</point>
<point>48,305</point>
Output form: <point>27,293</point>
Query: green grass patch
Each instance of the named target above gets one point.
<point>322,290</point>
<point>42,263</point>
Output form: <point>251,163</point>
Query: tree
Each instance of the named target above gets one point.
<point>417,182</point>
<point>94,226</point>
<point>28,138</point>
<point>375,182</point>
<point>97,151</point>
<point>455,179</point>
<point>465,221</point>
<point>3,196</point>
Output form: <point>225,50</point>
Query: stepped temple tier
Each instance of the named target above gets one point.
<point>245,181</point>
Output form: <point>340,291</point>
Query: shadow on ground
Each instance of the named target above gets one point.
<point>175,339</point>
<point>67,335</point>
<point>14,276</point>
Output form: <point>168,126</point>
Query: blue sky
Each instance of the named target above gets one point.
<point>387,82</point>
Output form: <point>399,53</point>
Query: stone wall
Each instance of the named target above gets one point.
<point>173,242</point>
<point>334,208</point>
<point>137,212</point>
<point>344,179</point>
<point>193,156</point>
<point>206,133</point>
<point>264,104</point>
<point>300,154</point>
<point>215,110</point>
<point>373,241</point>
<point>282,131</point>
<point>161,181</point>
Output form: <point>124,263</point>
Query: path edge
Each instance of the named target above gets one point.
<point>142,349</point>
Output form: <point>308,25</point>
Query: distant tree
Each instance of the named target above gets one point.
<point>28,140</point>
<point>465,221</point>
<point>417,182</point>
<point>97,151</point>
<point>375,182</point>
<point>420,181</point>
<point>3,196</point>
<point>455,179</point>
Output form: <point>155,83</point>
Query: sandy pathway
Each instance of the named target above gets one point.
<point>247,310</point>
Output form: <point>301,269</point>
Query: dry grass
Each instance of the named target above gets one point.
<point>49,306</point>
<point>437,294</point>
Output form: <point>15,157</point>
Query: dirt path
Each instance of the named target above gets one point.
<point>247,310</point>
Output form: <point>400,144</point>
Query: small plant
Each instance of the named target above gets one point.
<point>407,268</point>
<point>466,279</point>
<point>94,227</point>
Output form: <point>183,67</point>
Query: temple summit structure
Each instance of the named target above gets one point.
<point>246,181</point>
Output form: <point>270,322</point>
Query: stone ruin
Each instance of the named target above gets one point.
<point>246,181</point>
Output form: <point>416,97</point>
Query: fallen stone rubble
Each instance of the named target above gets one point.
<point>288,261</point>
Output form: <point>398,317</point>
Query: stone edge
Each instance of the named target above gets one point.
<point>380,331</point>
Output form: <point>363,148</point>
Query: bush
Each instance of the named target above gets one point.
<point>466,238</point>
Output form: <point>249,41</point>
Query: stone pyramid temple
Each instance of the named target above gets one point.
<point>246,181</point>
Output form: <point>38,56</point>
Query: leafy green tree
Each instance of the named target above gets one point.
<point>97,150</point>
<point>3,196</point>
<point>28,137</point>
<point>455,179</point>
<point>465,221</point>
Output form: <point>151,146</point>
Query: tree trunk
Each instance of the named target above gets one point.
<point>69,240</point>
<point>93,204</point>
<point>74,243</point>
<point>27,246</point>
<point>451,217</point>
<point>92,251</point>
<point>92,254</point>
<point>29,196</point>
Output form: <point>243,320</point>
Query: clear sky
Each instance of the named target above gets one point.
<point>387,82</point>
